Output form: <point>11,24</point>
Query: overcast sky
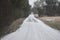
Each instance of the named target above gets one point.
<point>31,2</point>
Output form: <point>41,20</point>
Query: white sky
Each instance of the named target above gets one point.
<point>31,2</point>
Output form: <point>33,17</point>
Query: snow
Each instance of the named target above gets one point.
<point>33,29</point>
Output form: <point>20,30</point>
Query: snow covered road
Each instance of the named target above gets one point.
<point>33,29</point>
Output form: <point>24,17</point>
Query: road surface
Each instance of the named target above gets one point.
<point>33,29</point>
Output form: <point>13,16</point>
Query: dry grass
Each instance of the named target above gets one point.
<point>13,27</point>
<point>54,22</point>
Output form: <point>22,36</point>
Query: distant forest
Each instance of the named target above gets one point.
<point>47,8</point>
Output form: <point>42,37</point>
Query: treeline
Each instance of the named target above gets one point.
<point>10,10</point>
<point>21,8</point>
<point>47,8</point>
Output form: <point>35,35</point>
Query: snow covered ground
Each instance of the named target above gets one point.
<point>33,29</point>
